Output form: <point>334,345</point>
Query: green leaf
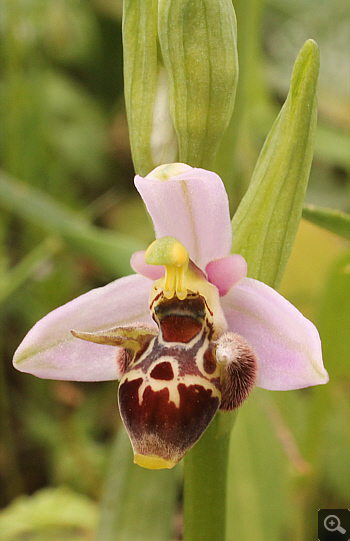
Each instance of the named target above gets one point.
<point>266,222</point>
<point>255,467</point>
<point>55,513</point>
<point>112,250</point>
<point>138,504</point>
<point>334,221</point>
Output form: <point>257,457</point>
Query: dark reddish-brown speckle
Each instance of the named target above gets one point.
<point>163,371</point>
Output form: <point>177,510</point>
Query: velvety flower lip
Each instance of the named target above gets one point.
<point>192,206</point>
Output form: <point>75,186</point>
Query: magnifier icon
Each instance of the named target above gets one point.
<point>332,524</point>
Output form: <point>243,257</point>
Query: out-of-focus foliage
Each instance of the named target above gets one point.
<point>56,514</point>
<point>138,504</point>
<point>286,24</point>
<point>63,133</point>
<point>335,221</point>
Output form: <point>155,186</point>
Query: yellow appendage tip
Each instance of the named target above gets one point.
<point>153,462</point>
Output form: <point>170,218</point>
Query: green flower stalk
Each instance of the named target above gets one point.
<point>181,71</point>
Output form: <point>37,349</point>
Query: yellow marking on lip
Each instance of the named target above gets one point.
<point>155,384</point>
<point>153,462</point>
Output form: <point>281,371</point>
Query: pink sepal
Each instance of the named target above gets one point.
<point>49,350</point>
<point>139,265</point>
<point>287,344</point>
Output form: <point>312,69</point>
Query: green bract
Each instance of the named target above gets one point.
<point>198,43</point>
<point>179,97</point>
<point>266,222</point>
<point>140,77</point>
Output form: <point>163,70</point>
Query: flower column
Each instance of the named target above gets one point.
<point>179,101</point>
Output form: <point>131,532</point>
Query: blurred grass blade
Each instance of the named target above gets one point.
<point>138,504</point>
<point>266,222</point>
<point>334,221</point>
<point>258,475</point>
<point>17,275</point>
<point>110,249</point>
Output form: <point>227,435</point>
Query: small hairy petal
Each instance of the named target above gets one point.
<point>192,207</point>
<point>286,343</point>
<point>49,350</point>
<point>139,265</point>
<point>239,362</point>
<point>226,272</point>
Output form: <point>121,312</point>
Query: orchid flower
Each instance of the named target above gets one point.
<point>187,334</point>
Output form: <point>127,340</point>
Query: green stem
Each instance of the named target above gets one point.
<point>205,482</point>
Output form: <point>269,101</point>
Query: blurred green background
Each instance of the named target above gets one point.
<point>66,183</point>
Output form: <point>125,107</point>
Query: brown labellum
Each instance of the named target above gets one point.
<point>160,428</point>
<point>171,391</point>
